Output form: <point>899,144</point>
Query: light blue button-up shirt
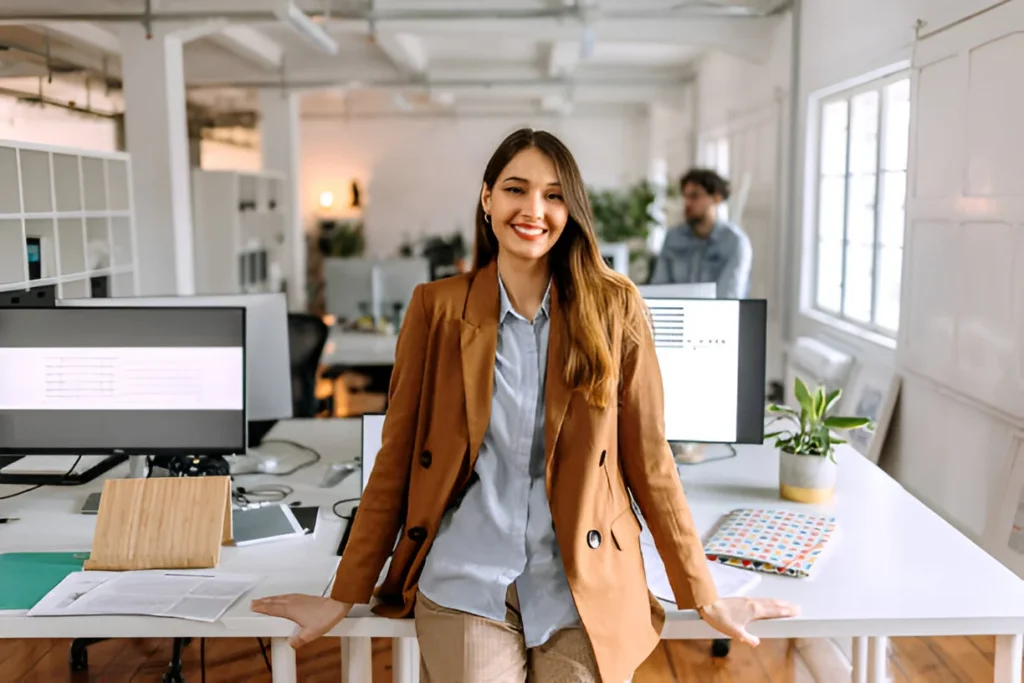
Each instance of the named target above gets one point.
<point>725,258</point>
<point>502,530</point>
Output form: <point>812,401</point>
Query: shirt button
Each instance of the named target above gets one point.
<point>417,534</point>
<point>425,459</point>
<point>594,539</point>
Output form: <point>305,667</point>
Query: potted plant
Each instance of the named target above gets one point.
<point>807,461</point>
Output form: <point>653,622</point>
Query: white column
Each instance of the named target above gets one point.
<point>156,136</point>
<point>279,145</point>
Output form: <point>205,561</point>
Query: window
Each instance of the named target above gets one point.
<point>861,203</point>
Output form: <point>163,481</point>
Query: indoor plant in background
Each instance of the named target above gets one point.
<point>807,461</point>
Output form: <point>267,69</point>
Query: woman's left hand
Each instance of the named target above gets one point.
<point>730,616</point>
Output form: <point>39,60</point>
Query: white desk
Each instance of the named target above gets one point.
<point>358,348</point>
<point>49,521</point>
<point>897,570</point>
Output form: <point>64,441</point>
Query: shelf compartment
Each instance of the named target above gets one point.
<point>117,185</point>
<point>123,284</point>
<point>67,182</point>
<point>10,197</point>
<point>35,181</point>
<point>94,184</point>
<point>75,289</point>
<point>43,229</point>
<point>248,193</point>
<point>97,243</point>
<point>121,234</point>
<point>12,253</point>
<point>71,233</point>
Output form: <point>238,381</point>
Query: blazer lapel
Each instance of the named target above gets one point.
<point>556,392</point>
<point>479,343</point>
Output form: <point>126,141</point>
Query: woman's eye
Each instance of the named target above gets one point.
<point>513,190</point>
<point>555,197</point>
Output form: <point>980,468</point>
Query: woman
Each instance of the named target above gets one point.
<point>525,406</point>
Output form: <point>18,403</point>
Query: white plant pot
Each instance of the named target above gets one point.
<point>806,478</point>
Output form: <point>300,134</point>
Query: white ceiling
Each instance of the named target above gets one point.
<point>412,56</point>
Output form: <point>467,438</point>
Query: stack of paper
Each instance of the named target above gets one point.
<point>196,595</point>
<point>772,541</point>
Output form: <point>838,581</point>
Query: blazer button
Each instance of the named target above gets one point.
<point>425,459</point>
<point>418,534</point>
<point>594,539</point>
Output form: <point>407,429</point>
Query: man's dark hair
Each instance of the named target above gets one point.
<point>708,179</point>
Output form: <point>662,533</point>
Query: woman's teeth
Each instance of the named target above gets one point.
<point>530,232</point>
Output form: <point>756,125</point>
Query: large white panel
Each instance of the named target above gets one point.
<point>932,277</point>
<point>995,145</point>
<point>949,454</point>
<point>988,347</point>
<point>941,92</point>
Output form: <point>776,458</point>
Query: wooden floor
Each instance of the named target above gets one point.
<point>912,660</point>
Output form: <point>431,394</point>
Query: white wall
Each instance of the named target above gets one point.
<point>55,126</point>
<point>422,176</point>
<point>746,104</point>
<point>215,155</point>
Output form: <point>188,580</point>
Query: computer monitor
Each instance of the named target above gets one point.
<point>395,281</point>
<point>268,381</point>
<point>348,287</point>
<point>712,358</point>
<point>373,428</point>
<point>694,290</point>
<point>122,381</point>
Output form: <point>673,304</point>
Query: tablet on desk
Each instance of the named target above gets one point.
<point>262,524</point>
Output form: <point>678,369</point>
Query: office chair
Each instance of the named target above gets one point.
<point>307,335</point>
<point>79,657</point>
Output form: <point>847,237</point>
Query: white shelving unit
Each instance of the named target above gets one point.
<point>78,205</point>
<point>240,232</point>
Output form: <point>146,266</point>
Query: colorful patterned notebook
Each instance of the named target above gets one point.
<point>771,541</point>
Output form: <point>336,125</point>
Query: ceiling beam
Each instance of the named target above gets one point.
<point>405,50</point>
<point>86,35</point>
<point>251,45</point>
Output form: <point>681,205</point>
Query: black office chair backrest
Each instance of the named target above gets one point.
<point>307,335</point>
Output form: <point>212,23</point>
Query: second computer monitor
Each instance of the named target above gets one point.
<point>268,363</point>
<point>712,358</point>
<point>122,381</point>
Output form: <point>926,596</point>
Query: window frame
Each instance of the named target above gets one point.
<point>875,81</point>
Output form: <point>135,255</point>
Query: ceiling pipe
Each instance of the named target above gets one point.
<point>482,84</point>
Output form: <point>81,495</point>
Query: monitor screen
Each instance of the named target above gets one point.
<point>712,358</point>
<point>143,381</point>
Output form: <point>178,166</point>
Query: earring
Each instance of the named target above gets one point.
<point>487,218</point>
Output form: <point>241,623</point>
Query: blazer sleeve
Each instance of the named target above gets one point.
<point>651,475</point>
<point>383,503</point>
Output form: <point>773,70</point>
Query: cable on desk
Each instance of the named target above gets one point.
<point>301,466</point>
<point>334,508</point>
<point>39,486</point>
<point>266,493</point>
<point>266,659</point>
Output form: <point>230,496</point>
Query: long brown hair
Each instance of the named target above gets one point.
<point>596,300</point>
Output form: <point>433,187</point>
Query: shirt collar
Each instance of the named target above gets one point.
<point>506,303</point>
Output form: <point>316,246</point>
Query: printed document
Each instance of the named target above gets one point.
<point>196,595</point>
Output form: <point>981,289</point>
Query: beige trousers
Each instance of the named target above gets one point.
<point>456,647</point>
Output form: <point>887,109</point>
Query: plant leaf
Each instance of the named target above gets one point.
<point>802,395</point>
<point>831,399</point>
<point>846,422</point>
<point>819,403</point>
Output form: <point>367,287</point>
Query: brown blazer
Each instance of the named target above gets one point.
<point>439,408</point>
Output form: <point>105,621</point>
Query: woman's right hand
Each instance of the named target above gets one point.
<point>315,615</point>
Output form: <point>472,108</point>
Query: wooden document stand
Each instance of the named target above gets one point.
<point>164,523</point>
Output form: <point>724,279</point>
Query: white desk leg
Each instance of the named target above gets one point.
<point>282,658</point>
<point>860,660</point>
<point>878,653</point>
<point>1009,650</point>
<point>406,658</point>
<point>356,660</point>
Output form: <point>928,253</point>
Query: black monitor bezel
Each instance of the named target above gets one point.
<point>148,450</point>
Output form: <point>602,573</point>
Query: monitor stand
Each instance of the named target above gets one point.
<point>102,466</point>
<point>689,453</point>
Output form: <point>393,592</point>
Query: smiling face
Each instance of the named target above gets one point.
<point>526,206</point>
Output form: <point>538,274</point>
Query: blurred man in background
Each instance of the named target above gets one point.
<point>705,248</point>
